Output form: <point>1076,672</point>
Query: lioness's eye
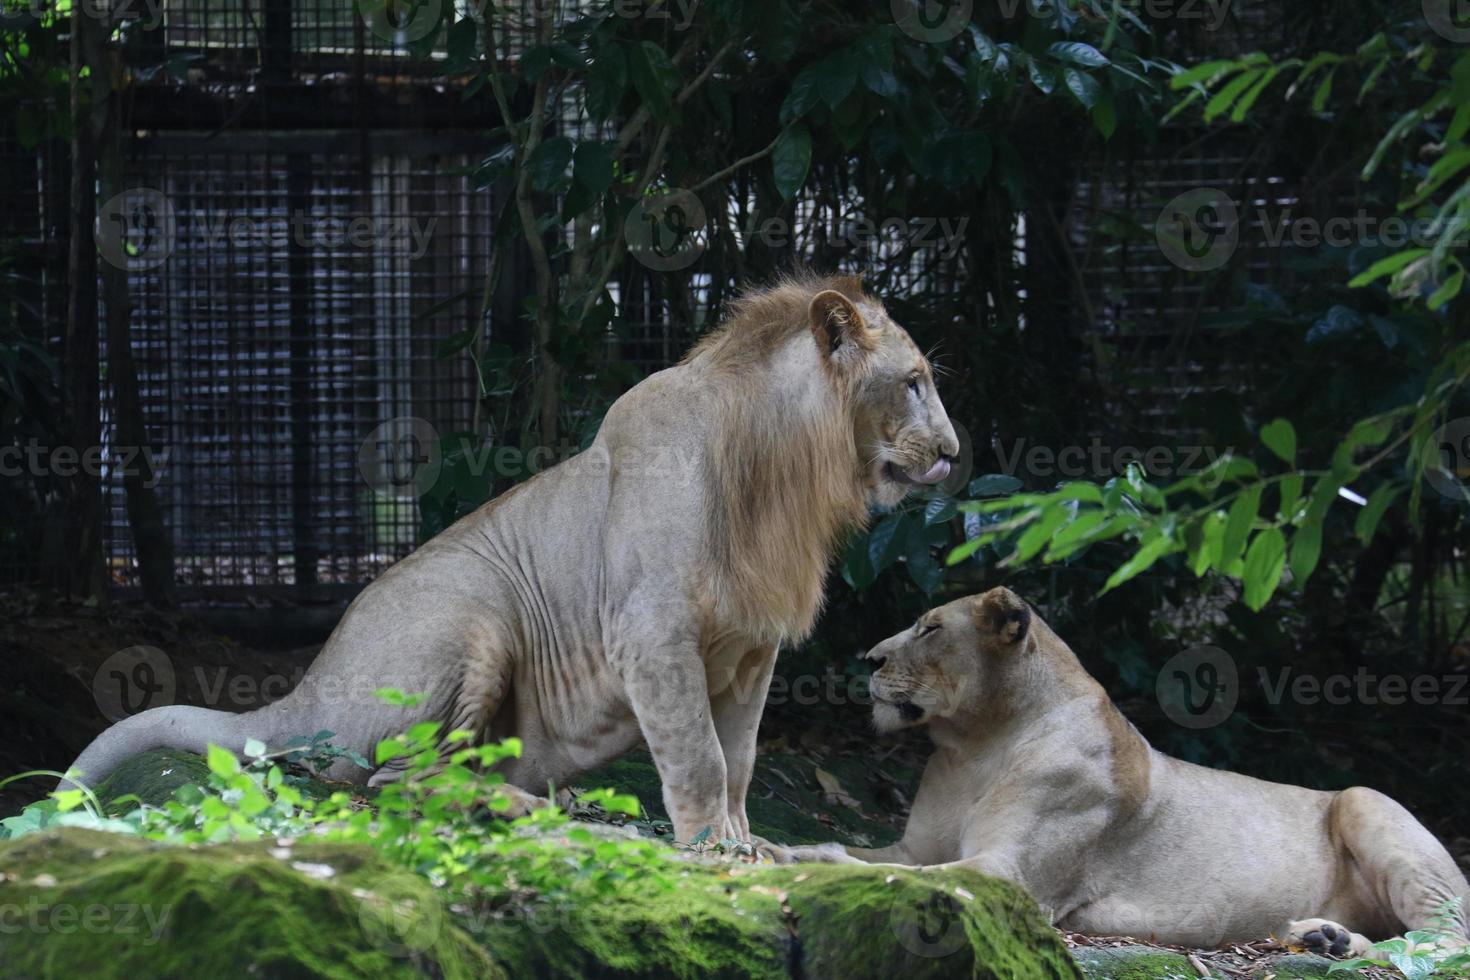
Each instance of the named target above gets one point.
<point>914,385</point>
<point>926,628</point>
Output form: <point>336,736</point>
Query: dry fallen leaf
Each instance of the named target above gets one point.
<point>832,786</point>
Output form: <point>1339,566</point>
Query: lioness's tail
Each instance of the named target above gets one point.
<point>173,727</point>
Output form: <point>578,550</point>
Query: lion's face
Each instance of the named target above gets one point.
<point>948,661</point>
<point>903,434</point>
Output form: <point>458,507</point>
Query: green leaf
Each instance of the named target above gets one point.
<point>1386,267</point>
<point>1105,115</point>
<point>1280,437</point>
<point>1263,565</point>
<point>549,162</point>
<point>1306,548</point>
<point>607,80</point>
<point>1078,54</point>
<point>221,762</point>
<point>254,748</point>
<point>1238,523</point>
<point>1291,495</point>
<point>1211,536</point>
<point>1372,512</point>
<point>804,95</point>
<point>994,485</point>
<point>1208,72</point>
<point>592,166</point>
<point>1148,553</point>
<point>791,159</point>
<point>1449,290</point>
<point>836,76</point>
<point>1324,90</point>
<point>655,78</point>
<point>1083,86</point>
<point>1225,98</point>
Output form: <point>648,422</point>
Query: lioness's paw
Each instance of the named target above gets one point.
<point>825,853</point>
<point>1325,938</point>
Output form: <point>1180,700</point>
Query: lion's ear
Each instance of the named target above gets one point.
<point>1002,615</point>
<point>837,325</point>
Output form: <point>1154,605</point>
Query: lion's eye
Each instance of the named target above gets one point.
<point>914,385</point>
<point>926,628</point>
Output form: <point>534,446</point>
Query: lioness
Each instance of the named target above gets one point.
<point>641,587</point>
<point>1038,778</point>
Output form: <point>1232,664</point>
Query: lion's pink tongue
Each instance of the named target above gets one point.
<point>937,472</point>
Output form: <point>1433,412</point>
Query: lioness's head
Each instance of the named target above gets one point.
<point>948,661</point>
<point>904,437</point>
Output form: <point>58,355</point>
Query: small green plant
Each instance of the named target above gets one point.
<point>446,816</point>
<point>1424,953</point>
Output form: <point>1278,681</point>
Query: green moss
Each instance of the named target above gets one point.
<point>83,903</point>
<point>1149,963</point>
<point>812,921</point>
<point>1302,966</point>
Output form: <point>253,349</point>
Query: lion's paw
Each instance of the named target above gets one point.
<point>1325,938</point>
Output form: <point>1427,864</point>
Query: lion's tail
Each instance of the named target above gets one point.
<point>176,727</point>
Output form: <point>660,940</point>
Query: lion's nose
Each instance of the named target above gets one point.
<point>949,442</point>
<point>876,657</point>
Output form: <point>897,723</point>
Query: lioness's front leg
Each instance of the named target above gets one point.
<point>737,715</point>
<point>670,698</point>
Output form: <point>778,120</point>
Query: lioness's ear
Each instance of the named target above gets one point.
<point>1003,615</point>
<point>837,325</point>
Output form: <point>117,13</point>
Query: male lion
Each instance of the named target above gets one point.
<point>640,587</point>
<point>1038,778</point>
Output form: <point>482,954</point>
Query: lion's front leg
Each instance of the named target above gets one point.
<point>668,693</point>
<point>737,717</point>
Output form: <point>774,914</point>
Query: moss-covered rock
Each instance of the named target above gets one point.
<point>813,921</point>
<point>84,903</point>
<point>1151,963</point>
<point>1133,963</point>
<point>106,905</point>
